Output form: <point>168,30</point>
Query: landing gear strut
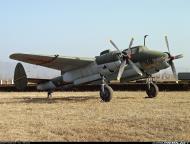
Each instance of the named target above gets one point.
<point>152,89</point>
<point>49,94</point>
<point>106,92</point>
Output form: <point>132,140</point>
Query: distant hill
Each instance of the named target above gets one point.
<point>32,71</point>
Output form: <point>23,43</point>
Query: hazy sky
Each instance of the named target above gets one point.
<point>84,27</point>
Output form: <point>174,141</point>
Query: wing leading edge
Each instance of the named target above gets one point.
<point>63,63</point>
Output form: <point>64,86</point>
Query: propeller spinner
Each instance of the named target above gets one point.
<point>126,60</point>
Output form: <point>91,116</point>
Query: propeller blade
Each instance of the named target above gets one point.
<point>174,70</point>
<point>114,45</point>
<point>130,45</point>
<point>121,69</point>
<point>167,43</point>
<point>178,56</point>
<point>135,67</point>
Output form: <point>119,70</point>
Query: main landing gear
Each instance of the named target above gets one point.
<point>152,89</point>
<point>106,92</point>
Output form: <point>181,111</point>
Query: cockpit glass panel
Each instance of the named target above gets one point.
<point>133,50</point>
<point>137,49</point>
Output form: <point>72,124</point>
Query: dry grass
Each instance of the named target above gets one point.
<point>81,116</point>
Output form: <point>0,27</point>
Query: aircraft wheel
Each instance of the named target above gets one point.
<point>106,96</point>
<point>152,91</point>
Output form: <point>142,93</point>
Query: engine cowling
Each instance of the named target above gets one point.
<point>108,57</point>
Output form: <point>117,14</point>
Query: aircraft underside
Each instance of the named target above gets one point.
<point>106,92</point>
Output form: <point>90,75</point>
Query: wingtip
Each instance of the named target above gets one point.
<point>12,56</point>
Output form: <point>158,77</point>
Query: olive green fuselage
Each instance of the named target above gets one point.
<point>149,61</point>
<point>108,64</point>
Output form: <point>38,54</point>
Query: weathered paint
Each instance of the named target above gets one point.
<point>108,64</point>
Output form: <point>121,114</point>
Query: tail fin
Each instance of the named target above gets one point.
<point>20,78</point>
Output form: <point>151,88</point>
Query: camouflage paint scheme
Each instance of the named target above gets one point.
<point>79,70</point>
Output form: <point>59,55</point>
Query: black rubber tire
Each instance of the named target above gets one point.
<point>107,95</point>
<point>153,91</point>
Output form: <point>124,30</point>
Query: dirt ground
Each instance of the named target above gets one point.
<point>81,116</point>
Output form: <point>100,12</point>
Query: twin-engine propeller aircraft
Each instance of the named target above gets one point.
<point>130,64</point>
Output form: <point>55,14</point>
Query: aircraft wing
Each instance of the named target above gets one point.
<point>62,63</point>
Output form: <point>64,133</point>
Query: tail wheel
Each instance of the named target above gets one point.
<point>107,94</point>
<point>49,94</point>
<point>152,90</point>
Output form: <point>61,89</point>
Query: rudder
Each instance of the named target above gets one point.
<point>20,78</point>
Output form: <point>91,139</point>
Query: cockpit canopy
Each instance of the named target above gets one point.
<point>136,49</point>
<point>105,52</point>
<point>108,56</point>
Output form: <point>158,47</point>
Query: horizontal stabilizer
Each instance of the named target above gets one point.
<point>37,80</point>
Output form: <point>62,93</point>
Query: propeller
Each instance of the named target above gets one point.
<point>121,69</point>
<point>167,44</point>
<point>114,45</point>
<point>126,59</point>
<point>171,58</point>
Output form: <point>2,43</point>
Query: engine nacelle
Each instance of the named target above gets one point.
<point>107,57</point>
<point>87,79</point>
<point>109,68</point>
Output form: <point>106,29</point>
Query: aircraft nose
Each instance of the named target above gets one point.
<point>170,57</point>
